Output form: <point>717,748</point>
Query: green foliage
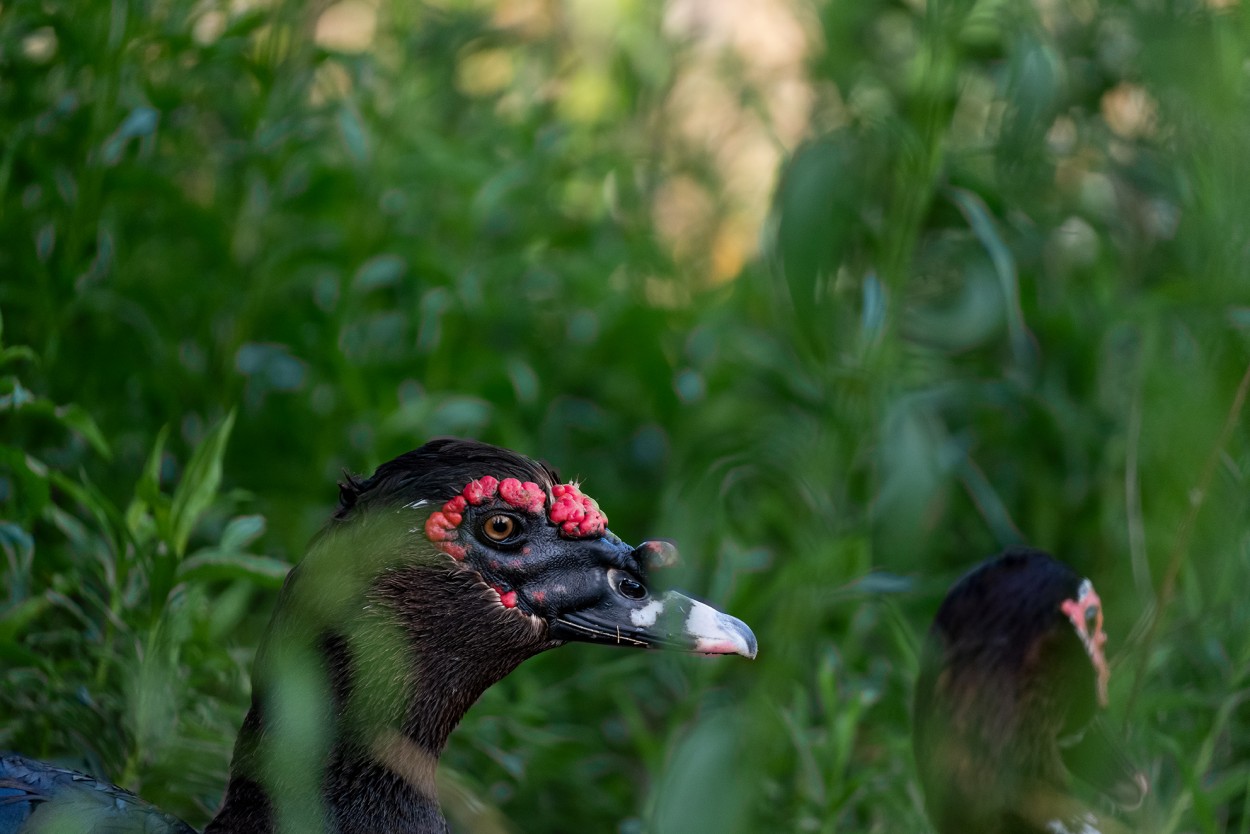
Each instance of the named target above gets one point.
<point>72,619</point>
<point>1002,298</point>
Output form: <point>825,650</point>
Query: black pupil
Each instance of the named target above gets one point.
<point>632,589</point>
<point>500,526</point>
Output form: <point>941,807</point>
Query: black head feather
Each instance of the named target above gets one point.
<point>436,472</point>
<point>996,612</point>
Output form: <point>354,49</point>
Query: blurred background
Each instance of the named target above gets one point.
<point>843,297</point>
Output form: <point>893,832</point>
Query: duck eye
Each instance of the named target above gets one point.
<point>631,588</point>
<point>499,528</point>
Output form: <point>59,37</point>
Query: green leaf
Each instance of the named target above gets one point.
<point>19,548</point>
<point>149,486</point>
<point>78,535</point>
<point>14,395</point>
<point>208,565</point>
<point>14,619</point>
<point>198,487</point>
<point>246,24</point>
<point>983,226</point>
<point>16,353</point>
<point>241,532</point>
<point>30,479</point>
<point>148,495</point>
<point>75,417</point>
<point>881,582</point>
<point>353,133</point>
<point>109,523</point>
<point>14,537</point>
<point>16,656</point>
<point>383,270</point>
<point>816,207</point>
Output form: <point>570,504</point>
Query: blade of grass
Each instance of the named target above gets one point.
<point>1145,632</point>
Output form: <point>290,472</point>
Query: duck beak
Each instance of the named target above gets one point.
<point>671,621</point>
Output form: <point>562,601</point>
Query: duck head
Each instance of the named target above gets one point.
<point>1012,678</point>
<point>436,577</point>
<point>539,552</point>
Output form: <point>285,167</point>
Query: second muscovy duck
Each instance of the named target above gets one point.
<point>437,576</point>
<point>1011,679</point>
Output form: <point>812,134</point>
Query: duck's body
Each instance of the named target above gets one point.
<point>1013,669</point>
<point>437,577</point>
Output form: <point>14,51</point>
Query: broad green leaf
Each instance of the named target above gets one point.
<point>15,618</point>
<point>195,492</point>
<point>241,532</point>
<point>383,270</point>
<point>139,122</point>
<point>14,395</point>
<point>17,545</point>
<point>15,656</point>
<point>15,537</point>
<point>983,226</point>
<point>78,535</point>
<point>816,207</point>
<point>883,582</point>
<point>148,495</point>
<point>149,486</point>
<point>108,520</point>
<point>76,417</point>
<point>217,564</point>
<point>17,352</point>
<point>30,477</point>
<point>246,23</point>
<point>354,134</point>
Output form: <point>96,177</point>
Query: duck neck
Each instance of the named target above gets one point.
<point>423,650</point>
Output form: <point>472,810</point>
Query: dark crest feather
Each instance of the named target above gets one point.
<point>436,472</point>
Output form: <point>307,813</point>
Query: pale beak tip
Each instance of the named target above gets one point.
<point>730,636</point>
<point>750,647</point>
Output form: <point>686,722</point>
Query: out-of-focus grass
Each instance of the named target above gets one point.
<point>1002,297</point>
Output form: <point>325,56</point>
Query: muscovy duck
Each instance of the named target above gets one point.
<point>1011,679</point>
<point>435,578</point>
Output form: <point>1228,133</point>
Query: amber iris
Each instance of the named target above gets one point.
<point>500,527</point>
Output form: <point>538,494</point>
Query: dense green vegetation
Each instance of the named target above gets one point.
<point>1003,295</point>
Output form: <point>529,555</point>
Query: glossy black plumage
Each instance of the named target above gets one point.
<point>1006,704</point>
<point>67,799</point>
<point>405,609</point>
